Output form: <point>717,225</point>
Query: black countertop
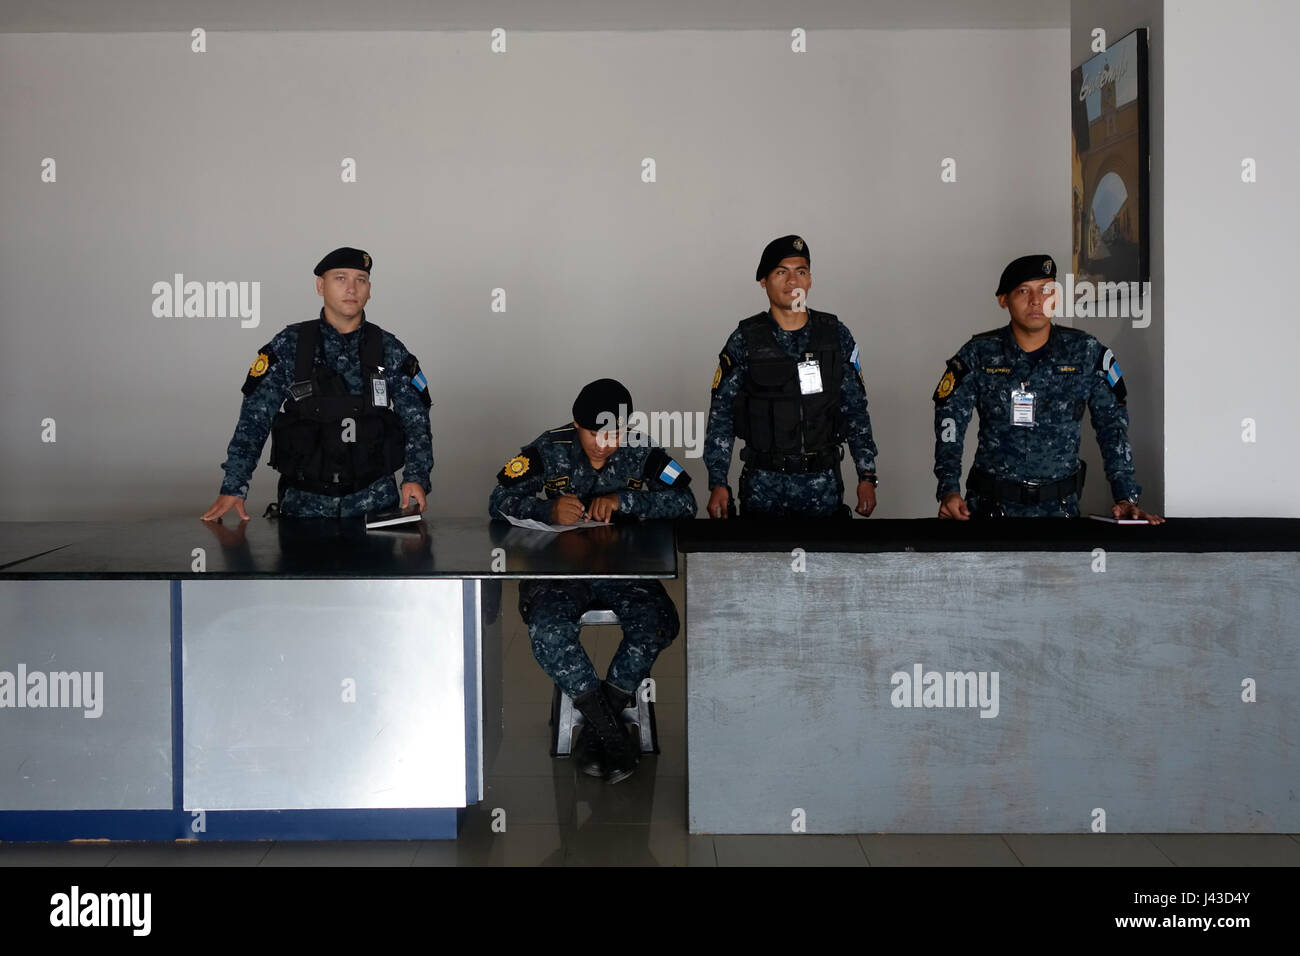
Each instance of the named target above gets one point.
<point>330,548</point>
<point>20,540</point>
<point>1003,534</point>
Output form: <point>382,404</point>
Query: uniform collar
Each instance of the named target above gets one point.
<point>776,326</point>
<point>327,329</point>
<point>1012,348</point>
<point>578,457</point>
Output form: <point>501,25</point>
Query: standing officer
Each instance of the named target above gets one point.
<point>789,382</point>
<point>1031,381</point>
<point>587,472</point>
<point>356,408</point>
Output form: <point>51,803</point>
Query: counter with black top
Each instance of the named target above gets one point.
<point>272,679</point>
<point>1017,675</point>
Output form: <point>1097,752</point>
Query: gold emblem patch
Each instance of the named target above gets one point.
<point>365,257</point>
<point>717,376</point>
<point>1047,267</point>
<point>516,466</point>
<point>946,384</point>
<point>798,245</point>
<point>260,365</point>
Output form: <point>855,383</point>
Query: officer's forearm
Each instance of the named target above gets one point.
<point>864,455</point>
<point>947,470</point>
<point>717,457</point>
<point>719,436</point>
<point>417,474</point>
<point>241,461</point>
<point>509,504</point>
<point>1111,426</point>
<point>669,503</point>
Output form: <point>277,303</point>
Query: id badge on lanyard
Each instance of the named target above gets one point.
<point>378,391</point>
<point>1022,406</point>
<point>810,375</point>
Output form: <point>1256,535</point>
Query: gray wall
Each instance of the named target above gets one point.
<point>1232,341</point>
<point>479,171</point>
<point>1141,351</point>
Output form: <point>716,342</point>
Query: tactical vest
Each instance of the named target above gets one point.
<point>771,414</point>
<point>309,445</point>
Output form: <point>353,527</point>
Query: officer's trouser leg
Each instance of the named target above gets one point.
<point>649,622</point>
<point>551,610</point>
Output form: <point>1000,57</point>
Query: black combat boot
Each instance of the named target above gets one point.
<point>619,699</point>
<point>600,719</point>
<point>588,754</point>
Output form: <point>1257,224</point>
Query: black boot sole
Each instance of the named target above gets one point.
<point>618,776</point>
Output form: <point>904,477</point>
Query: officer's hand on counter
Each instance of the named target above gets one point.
<point>1128,510</point>
<point>410,490</point>
<point>566,509</point>
<point>718,501</point>
<point>954,506</point>
<point>223,504</point>
<point>866,498</point>
<point>602,508</point>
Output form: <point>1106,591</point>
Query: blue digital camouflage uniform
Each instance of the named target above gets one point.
<point>342,353</point>
<point>817,493</point>
<point>649,485</point>
<point>1073,371</point>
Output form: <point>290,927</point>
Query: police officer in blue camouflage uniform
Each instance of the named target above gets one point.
<point>592,469</point>
<point>789,382</point>
<point>1031,381</point>
<point>356,409</point>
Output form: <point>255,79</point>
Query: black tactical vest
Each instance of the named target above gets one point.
<point>310,445</point>
<point>771,414</point>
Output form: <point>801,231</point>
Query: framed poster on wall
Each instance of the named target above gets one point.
<point>1111,224</point>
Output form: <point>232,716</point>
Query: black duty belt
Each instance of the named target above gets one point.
<point>793,464</point>
<point>1025,492</point>
<point>335,489</point>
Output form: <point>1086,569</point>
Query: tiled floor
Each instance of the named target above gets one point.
<point>556,817</point>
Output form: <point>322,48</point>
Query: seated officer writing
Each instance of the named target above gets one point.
<point>356,409</point>
<point>1031,381</point>
<point>588,470</point>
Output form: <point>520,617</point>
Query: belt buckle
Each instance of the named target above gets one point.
<point>1029,492</point>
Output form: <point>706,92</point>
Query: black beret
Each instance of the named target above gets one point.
<point>1038,266</point>
<point>778,249</point>
<point>602,395</point>
<point>344,258</point>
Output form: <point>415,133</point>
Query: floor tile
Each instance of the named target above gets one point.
<point>209,853</point>
<point>1228,849</point>
<point>527,718</point>
<point>518,845</point>
<point>642,798</point>
<point>671,760</point>
<point>638,845</point>
<point>936,849</point>
<point>342,853</point>
<point>1085,849</point>
<point>527,757</point>
<point>530,800</point>
<point>58,854</point>
<point>795,849</point>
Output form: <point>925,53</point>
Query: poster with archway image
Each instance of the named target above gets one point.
<point>1111,164</point>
